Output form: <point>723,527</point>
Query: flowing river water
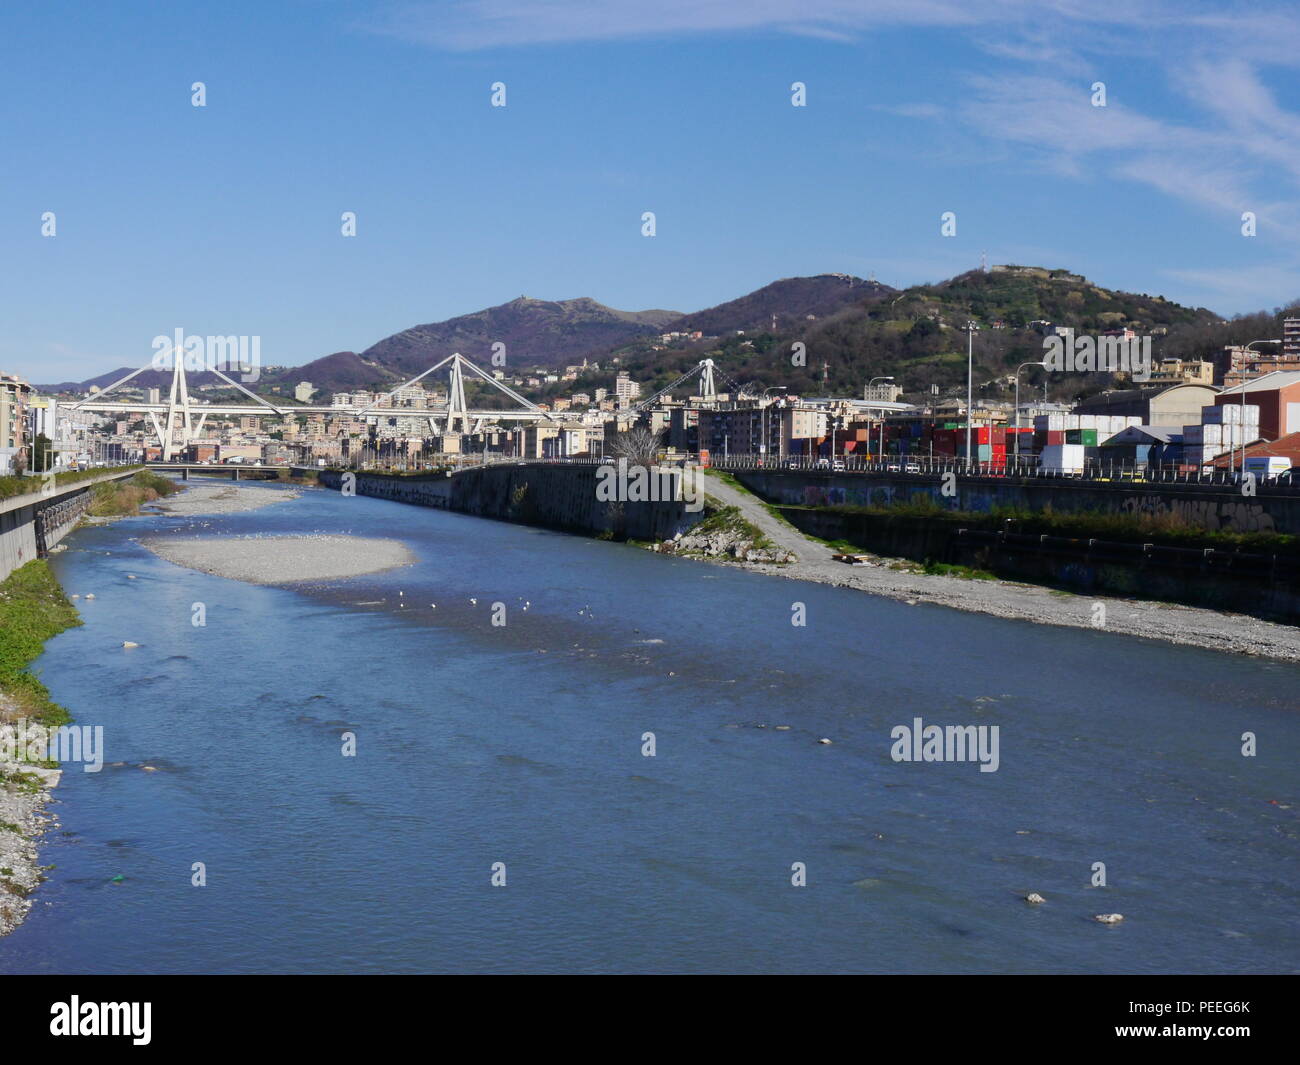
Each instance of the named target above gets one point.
<point>523,744</point>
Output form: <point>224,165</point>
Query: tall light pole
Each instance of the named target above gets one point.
<point>1018,369</point>
<point>1242,426</point>
<point>762,447</point>
<point>882,415</point>
<point>970,385</point>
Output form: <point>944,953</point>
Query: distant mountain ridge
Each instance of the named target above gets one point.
<point>535,333</point>
<point>852,329</point>
<point>789,301</point>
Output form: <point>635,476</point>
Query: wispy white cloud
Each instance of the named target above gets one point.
<point>1241,286</point>
<point>1022,29</point>
<point>1221,142</point>
<point>474,24</point>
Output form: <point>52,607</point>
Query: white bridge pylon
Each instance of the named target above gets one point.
<point>175,425</point>
<point>706,368</point>
<point>459,418</point>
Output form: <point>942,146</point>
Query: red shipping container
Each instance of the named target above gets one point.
<point>1055,436</point>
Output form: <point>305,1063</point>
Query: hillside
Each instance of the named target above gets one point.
<point>917,336</point>
<point>535,333</point>
<point>789,302</point>
<point>851,330</point>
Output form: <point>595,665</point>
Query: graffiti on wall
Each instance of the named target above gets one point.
<point>1211,514</point>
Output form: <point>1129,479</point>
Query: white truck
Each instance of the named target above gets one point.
<point>1267,467</point>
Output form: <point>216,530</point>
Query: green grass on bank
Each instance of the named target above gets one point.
<point>728,519</point>
<point>124,498</point>
<point>1168,530</point>
<point>17,486</point>
<point>726,478</point>
<point>967,573</point>
<point>33,609</point>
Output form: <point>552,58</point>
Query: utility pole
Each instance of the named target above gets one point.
<point>1242,426</point>
<point>882,416</point>
<point>970,386</point>
<point>1017,427</point>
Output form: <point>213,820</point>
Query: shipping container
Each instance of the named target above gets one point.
<point>1063,458</point>
<point>1231,414</point>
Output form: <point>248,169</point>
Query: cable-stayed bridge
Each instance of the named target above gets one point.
<point>178,421</point>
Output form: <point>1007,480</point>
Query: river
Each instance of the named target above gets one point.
<point>522,744</point>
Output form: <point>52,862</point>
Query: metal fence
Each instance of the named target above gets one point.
<point>928,468</point>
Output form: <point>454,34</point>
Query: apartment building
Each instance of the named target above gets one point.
<point>15,400</point>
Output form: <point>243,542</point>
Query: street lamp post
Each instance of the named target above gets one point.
<point>1018,369</point>
<point>970,385</point>
<point>762,446</point>
<point>1242,425</point>
<point>882,416</point>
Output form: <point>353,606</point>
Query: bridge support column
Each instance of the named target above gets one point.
<point>234,474</point>
<point>185,473</point>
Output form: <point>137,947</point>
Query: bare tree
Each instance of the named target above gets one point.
<point>639,446</point>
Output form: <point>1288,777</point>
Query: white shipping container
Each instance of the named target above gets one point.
<point>1231,414</point>
<point>1062,458</point>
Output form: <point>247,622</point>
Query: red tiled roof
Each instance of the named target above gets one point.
<point>1286,447</point>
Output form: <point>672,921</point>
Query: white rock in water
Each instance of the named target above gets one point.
<point>1034,897</point>
<point>1109,918</point>
<point>128,643</point>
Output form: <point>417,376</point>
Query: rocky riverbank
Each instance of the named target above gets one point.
<point>33,608</point>
<point>909,583</point>
<point>225,498</point>
<point>24,794</point>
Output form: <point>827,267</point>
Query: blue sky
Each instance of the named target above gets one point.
<point>226,219</point>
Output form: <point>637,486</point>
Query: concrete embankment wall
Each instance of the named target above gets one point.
<point>552,496</point>
<point>31,524</point>
<point>1262,585</point>
<point>1210,507</point>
